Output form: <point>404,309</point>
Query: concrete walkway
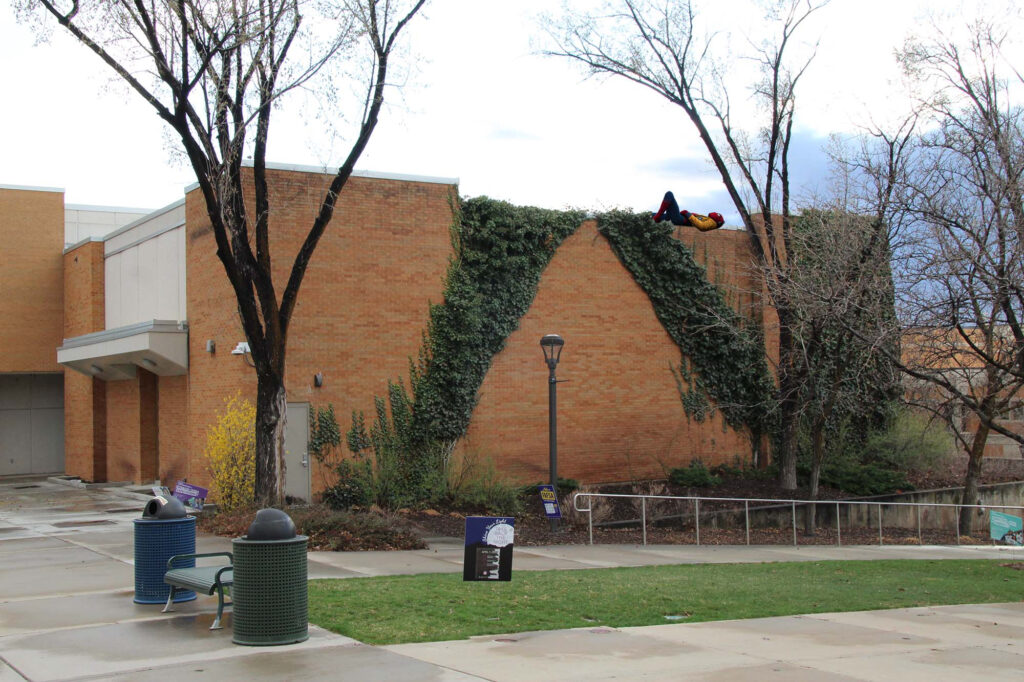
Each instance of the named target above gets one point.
<point>66,613</point>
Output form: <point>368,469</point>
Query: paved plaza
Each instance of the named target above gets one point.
<point>66,613</point>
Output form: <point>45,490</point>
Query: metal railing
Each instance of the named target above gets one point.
<point>775,504</point>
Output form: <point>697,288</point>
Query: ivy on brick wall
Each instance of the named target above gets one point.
<point>723,353</point>
<point>500,252</point>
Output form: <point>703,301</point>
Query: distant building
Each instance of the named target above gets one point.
<point>115,355</point>
<point>946,352</point>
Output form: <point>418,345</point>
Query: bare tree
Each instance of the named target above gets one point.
<point>660,46</point>
<point>961,272</point>
<point>214,71</point>
<point>841,293</point>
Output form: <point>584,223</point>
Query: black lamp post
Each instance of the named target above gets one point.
<point>552,344</point>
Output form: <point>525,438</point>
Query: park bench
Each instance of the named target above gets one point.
<point>203,579</point>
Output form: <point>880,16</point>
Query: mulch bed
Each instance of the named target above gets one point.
<point>612,520</point>
<point>531,530</point>
<point>327,531</point>
<point>615,520</point>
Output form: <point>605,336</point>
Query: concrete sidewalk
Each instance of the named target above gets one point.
<point>66,613</point>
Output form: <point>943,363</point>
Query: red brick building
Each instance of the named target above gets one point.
<point>132,335</point>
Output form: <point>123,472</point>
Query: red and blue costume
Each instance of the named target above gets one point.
<point>670,211</point>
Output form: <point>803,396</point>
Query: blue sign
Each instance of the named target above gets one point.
<point>489,541</point>
<point>550,501</point>
<point>1006,528</point>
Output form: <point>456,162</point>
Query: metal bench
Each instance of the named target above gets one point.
<point>203,579</point>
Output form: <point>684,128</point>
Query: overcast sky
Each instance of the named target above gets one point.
<point>480,105</point>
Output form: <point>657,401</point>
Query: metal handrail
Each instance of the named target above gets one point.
<point>774,502</point>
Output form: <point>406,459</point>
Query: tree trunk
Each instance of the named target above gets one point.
<point>271,413</point>
<point>970,495</point>
<point>758,449</point>
<point>789,422</point>
<point>817,458</point>
<point>789,407</point>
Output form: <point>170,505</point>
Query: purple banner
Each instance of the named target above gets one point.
<point>191,495</point>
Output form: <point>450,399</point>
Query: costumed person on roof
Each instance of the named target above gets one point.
<point>670,211</point>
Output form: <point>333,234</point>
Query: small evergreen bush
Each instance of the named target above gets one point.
<point>324,435</point>
<point>473,482</point>
<point>864,479</point>
<point>353,488</point>
<point>566,486</point>
<point>694,476</point>
<point>912,443</point>
<point>742,470</point>
<point>390,467</point>
<point>855,478</point>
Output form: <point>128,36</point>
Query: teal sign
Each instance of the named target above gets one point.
<point>1006,528</point>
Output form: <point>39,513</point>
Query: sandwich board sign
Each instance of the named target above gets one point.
<point>488,554</point>
<point>550,501</point>
<point>1006,528</point>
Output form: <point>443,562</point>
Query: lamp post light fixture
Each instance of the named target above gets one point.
<point>552,344</point>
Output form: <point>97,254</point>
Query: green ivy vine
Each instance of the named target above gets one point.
<point>723,354</point>
<point>500,252</point>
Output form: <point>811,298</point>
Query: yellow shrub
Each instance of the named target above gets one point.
<point>231,454</point>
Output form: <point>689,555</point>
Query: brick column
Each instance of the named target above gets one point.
<point>85,413</point>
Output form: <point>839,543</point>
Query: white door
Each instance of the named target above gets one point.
<point>296,453</point>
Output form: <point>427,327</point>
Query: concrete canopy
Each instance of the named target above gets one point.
<point>159,346</point>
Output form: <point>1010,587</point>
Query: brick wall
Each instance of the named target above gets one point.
<point>364,305</point>
<point>172,429</point>
<point>619,413</point>
<point>148,420</point>
<point>83,290</point>
<point>361,310</point>
<point>146,414</point>
<point>84,396</point>
<point>133,424</point>
<point>31,279</point>
<point>123,434</point>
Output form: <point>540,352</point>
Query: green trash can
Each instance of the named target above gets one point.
<point>269,595</point>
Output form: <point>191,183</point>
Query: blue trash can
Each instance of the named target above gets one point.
<point>156,541</point>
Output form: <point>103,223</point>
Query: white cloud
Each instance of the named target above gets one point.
<point>479,105</point>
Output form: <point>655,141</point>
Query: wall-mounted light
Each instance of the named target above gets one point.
<point>95,369</point>
<point>211,346</point>
<point>148,363</point>
<point>318,379</point>
<point>243,349</point>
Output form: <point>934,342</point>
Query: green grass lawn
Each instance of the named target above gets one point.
<point>425,608</point>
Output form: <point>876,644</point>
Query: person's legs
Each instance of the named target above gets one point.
<point>670,211</point>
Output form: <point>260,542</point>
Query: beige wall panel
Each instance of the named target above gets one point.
<point>146,295</point>
<point>145,281</point>
<point>170,269</point>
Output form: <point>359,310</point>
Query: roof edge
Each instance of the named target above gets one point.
<point>166,326</point>
<point>32,188</point>
<point>326,170</point>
